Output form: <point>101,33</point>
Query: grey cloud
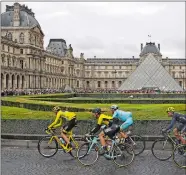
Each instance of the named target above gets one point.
<point>115,29</point>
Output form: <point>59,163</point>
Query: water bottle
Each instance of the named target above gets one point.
<point>62,141</point>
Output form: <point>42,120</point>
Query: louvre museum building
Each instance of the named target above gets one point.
<point>27,65</point>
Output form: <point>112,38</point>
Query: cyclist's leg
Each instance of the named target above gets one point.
<point>102,139</point>
<point>183,131</point>
<point>125,126</point>
<point>67,128</point>
<point>177,131</point>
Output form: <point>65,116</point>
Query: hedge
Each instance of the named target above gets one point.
<point>125,101</point>
<point>40,107</point>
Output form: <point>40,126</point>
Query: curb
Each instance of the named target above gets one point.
<point>38,136</point>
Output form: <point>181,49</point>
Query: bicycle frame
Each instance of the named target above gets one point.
<point>69,135</point>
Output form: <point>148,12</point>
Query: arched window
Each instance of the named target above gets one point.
<point>21,38</point>
<point>9,36</point>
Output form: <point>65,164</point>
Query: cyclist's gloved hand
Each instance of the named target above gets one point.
<point>103,126</point>
<point>164,130</point>
<point>168,130</point>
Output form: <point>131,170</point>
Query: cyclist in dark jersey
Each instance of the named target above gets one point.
<point>176,117</point>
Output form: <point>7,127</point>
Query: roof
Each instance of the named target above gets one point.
<point>26,20</point>
<point>57,46</point>
<point>150,48</point>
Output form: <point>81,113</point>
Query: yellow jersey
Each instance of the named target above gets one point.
<point>104,119</point>
<point>58,120</point>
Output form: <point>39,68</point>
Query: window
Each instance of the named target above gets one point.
<point>3,47</point>
<point>21,51</point>
<point>87,84</point>
<point>8,48</point>
<point>13,50</point>
<point>21,38</point>
<point>99,84</point>
<point>77,83</point>
<point>113,84</point>
<point>9,36</point>
<point>21,63</point>
<point>180,83</point>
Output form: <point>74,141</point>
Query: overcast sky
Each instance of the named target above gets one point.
<point>113,29</point>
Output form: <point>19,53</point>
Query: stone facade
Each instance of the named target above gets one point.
<point>25,64</point>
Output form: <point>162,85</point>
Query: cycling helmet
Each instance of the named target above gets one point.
<point>56,108</point>
<point>114,107</point>
<point>96,110</point>
<point>170,109</point>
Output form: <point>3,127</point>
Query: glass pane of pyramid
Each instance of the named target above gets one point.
<point>150,73</point>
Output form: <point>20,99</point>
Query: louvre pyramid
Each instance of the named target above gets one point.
<point>150,73</point>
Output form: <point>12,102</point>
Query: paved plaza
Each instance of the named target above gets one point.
<point>24,161</point>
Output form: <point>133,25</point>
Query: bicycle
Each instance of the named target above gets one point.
<point>52,143</point>
<point>163,147</point>
<point>179,154</point>
<point>115,152</point>
<point>136,141</point>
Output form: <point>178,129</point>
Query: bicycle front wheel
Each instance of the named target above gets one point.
<point>87,154</point>
<point>162,149</point>
<point>123,154</point>
<point>47,146</point>
<point>179,156</point>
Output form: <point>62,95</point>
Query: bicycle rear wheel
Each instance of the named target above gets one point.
<point>123,154</point>
<point>162,149</point>
<point>138,144</point>
<point>179,156</point>
<point>87,154</point>
<point>47,146</point>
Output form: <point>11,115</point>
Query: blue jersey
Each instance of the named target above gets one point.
<point>122,115</point>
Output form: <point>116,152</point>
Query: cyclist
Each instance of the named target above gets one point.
<point>71,122</point>
<point>102,120</point>
<point>123,116</point>
<point>176,117</point>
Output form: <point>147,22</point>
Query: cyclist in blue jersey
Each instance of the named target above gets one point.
<point>123,116</point>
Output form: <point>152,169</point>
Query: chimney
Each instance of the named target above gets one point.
<point>16,18</point>
<point>141,46</point>
<point>133,57</point>
<point>94,56</point>
<point>159,47</point>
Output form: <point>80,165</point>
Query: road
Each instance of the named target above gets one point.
<point>27,161</point>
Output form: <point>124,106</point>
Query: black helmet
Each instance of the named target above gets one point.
<point>96,110</point>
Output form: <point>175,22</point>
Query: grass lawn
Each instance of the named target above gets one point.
<point>147,112</point>
<point>140,111</point>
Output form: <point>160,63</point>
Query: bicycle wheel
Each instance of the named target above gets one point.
<point>87,154</point>
<point>123,154</point>
<point>138,144</point>
<point>162,149</point>
<point>179,156</point>
<point>47,146</point>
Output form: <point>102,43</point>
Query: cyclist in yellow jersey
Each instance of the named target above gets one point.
<point>102,120</point>
<point>69,116</point>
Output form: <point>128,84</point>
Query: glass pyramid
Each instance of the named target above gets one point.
<point>150,74</point>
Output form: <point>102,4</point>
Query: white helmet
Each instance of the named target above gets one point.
<point>114,107</point>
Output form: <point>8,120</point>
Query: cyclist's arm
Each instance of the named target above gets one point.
<point>56,121</point>
<point>173,121</point>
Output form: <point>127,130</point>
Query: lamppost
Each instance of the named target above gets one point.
<point>183,73</point>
